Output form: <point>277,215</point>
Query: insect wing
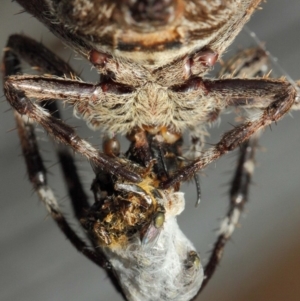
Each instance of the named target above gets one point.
<point>151,236</point>
<point>154,229</point>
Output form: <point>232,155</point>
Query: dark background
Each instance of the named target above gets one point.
<point>262,262</point>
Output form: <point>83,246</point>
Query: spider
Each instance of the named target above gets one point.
<point>166,127</point>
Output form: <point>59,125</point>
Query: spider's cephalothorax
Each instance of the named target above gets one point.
<point>152,57</point>
<point>148,53</point>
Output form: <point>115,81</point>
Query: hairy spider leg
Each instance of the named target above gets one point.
<point>36,54</point>
<point>238,198</point>
<point>20,88</point>
<point>274,97</point>
<point>251,62</point>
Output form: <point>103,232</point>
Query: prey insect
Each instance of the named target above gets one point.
<point>152,57</point>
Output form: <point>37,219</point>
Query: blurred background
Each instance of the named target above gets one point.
<point>262,262</point>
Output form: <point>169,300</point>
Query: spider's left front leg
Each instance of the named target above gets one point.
<point>274,97</point>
